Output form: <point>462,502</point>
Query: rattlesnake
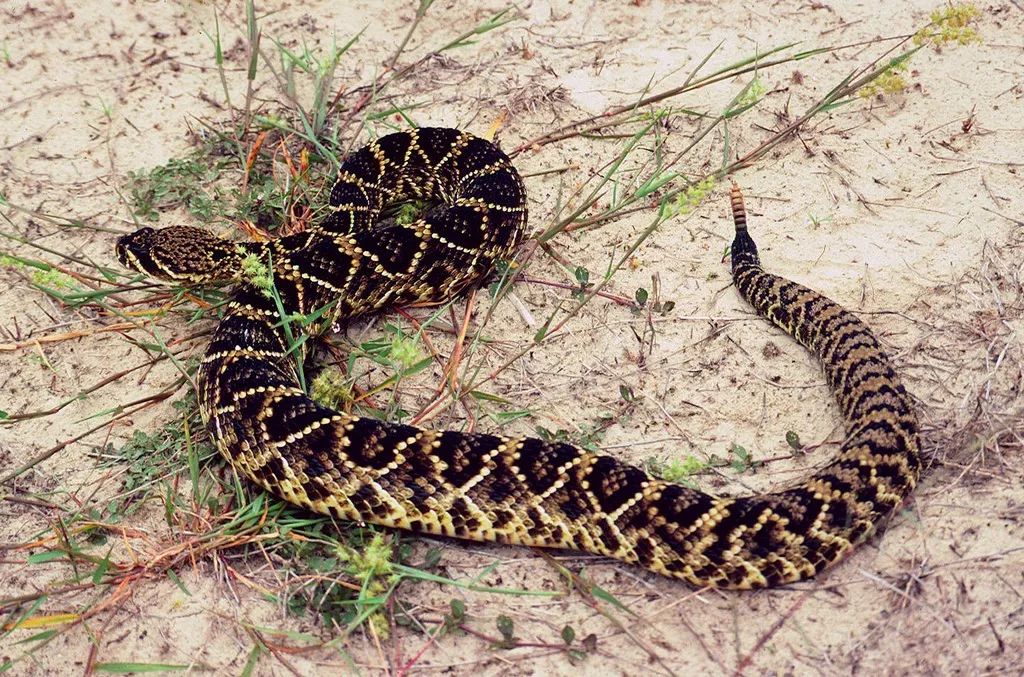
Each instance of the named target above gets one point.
<point>492,487</point>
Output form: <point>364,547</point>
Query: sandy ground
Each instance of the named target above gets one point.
<point>905,208</point>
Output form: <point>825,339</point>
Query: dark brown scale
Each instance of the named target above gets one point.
<point>541,461</point>
<point>486,487</point>
<point>614,483</point>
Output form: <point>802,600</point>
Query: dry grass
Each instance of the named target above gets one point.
<point>154,535</point>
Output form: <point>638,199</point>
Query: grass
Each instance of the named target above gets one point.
<point>180,182</point>
<point>268,170</point>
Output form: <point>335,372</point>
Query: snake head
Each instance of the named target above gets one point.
<point>180,254</point>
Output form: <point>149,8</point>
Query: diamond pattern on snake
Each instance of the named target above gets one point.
<point>486,487</point>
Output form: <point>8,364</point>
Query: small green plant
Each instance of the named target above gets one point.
<point>180,182</point>
<point>577,651</point>
<point>683,470</point>
<point>818,221</point>
<point>890,81</point>
<point>404,351</point>
<point>346,581</point>
<point>750,95</point>
<point>742,460</point>
<point>691,196</point>
<point>319,69</point>
<point>407,212</point>
<point>52,279</point>
<point>330,388</point>
<point>641,297</point>
<point>371,562</point>
<point>589,436</point>
<point>371,566</point>
<point>950,24</point>
<point>150,459</point>
<point>266,202</point>
<point>396,349</point>
<point>583,281</point>
<point>256,271</point>
<point>677,470</point>
<point>107,109</point>
<point>457,614</point>
<point>507,630</point>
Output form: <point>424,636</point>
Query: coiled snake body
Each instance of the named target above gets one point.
<point>491,487</point>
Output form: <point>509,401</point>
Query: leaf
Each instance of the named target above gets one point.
<point>431,559</point>
<point>48,556</point>
<point>140,667</point>
<point>458,608</point>
<point>101,569</point>
<point>654,183</point>
<point>177,581</point>
<point>38,637</point>
<point>252,660</point>
<point>506,628</point>
<point>568,635</point>
<point>601,593</point>
<point>488,397</point>
<point>742,459</point>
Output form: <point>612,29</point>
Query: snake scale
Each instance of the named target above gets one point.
<point>491,487</point>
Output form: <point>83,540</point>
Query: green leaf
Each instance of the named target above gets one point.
<point>568,635</point>
<point>101,569</point>
<point>503,417</point>
<point>177,581</point>
<point>252,660</point>
<point>139,667</point>
<point>542,332</point>
<point>458,608</point>
<point>431,559</point>
<point>39,636</point>
<point>506,628</point>
<point>488,397</point>
<point>601,593</point>
<point>742,459</point>
<point>654,183</point>
<point>48,556</point>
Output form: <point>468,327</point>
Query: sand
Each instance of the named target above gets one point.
<point>904,207</point>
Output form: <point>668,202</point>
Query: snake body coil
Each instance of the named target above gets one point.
<point>490,487</point>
